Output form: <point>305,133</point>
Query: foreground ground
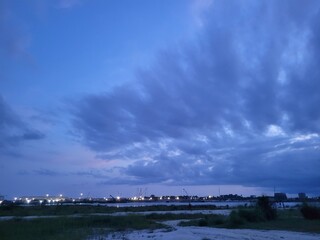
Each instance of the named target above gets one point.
<point>206,233</point>
<point>96,223</point>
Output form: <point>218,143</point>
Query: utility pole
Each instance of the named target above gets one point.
<point>187,197</point>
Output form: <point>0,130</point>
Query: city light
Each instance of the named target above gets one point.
<point>42,200</point>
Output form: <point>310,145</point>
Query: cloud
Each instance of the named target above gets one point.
<point>48,172</point>
<point>33,135</point>
<point>14,39</point>
<point>222,110</point>
<point>13,130</point>
<point>87,173</point>
<point>68,3</point>
<point>198,10</point>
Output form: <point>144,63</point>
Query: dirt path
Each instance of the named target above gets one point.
<point>205,233</point>
<point>193,233</point>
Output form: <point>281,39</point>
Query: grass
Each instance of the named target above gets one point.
<point>63,228</point>
<point>81,227</point>
<point>15,210</point>
<point>291,220</point>
<point>171,216</point>
<point>310,212</point>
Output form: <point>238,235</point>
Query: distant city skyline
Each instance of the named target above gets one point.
<point>142,196</point>
<point>104,97</point>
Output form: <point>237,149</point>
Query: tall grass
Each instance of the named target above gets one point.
<point>263,216</point>
<point>15,210</point>
<point>64,228</point>
<point>290,219</point>
<point>310,212</point>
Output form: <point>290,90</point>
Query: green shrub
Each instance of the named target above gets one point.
<point>218,221</point>
<point>254,215</point>
<point>234,219</point>
<point>262,212</point>
<point>203,223</point>
<point>265,206</point>
<point>310,212</point>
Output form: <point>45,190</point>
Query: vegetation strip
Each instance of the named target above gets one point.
<point>58,210</point>
<point>263,216</point>
<point>55,226</point>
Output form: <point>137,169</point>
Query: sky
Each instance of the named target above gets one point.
<point>110,97</point>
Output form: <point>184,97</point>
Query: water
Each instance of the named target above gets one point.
<point>146,204</point>
<point>219,204</point>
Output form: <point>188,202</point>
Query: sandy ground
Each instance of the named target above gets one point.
<point>205,233</point>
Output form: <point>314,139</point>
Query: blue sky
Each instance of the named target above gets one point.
<point>107,97</point>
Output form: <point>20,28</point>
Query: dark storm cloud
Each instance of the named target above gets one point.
<point>225,108</point>
<point>13,130</point>
<point>288,166</point>
<point>32,135</point>
<point>48,172</point>
<point>91,173</point>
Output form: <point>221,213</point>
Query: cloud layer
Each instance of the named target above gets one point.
<point>239,105</point>
<point>13,130</point>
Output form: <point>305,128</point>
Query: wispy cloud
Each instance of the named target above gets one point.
<point>14,130</point>
<point>15,40</point>
<point>48,172</point>
<point>199,9</point>
<point>222,110</point>
<point>68,3</point>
